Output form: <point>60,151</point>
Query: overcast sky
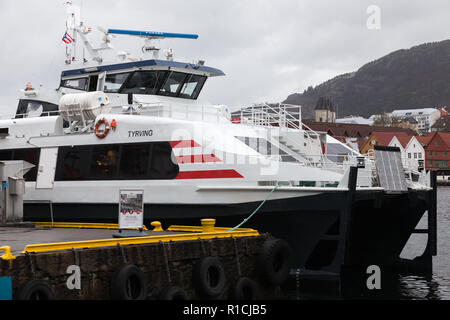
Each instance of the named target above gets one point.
<point>268,48</point>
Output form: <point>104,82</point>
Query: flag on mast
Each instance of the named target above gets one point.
<point>67,38</point>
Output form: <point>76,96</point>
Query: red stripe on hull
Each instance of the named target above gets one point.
<point>184,144</point>
<point>209,174</point>
<point>200,158</point>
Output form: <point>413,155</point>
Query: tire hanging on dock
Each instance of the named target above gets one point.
<point>36,290</point>
<point>129,283</point>
<point>209,277</point>
<point>243,289</point>
<point>274,261</point>
<point>173,293</point>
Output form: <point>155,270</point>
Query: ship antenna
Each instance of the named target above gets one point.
<point>74,28</point>
<point>152,38</point>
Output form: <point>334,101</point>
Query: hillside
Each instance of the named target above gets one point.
<point>405,79</point>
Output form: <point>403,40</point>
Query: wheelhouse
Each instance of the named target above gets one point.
<point>150,77</point>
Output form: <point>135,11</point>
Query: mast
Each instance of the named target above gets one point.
<point>76,29</point>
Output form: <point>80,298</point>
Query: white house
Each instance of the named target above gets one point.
<point>425,117</point>
<point>411,150</point>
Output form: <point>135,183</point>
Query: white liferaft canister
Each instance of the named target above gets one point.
<point>83,106</point>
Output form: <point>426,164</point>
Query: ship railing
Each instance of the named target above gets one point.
<point>27,115</point>
<point>284,116</point>
<point>182,111</point>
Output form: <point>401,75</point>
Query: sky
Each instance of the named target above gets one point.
<point>268,49</point>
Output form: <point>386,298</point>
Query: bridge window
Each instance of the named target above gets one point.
<point>192,87</point>
<point>35,108</point>
<point>144,82</point>
<point>173,84</point>
<point>79,84</point>
<point>114,82</point>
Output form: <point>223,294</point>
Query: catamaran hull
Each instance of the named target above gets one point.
<point>326,231</point>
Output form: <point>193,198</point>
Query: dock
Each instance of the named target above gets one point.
<point>72,261</point>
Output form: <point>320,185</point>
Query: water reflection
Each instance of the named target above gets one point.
<point>396,286</point>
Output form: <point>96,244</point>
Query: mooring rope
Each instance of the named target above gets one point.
<point>257,209</point>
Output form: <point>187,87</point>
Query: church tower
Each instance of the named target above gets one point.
<point>325,111</point>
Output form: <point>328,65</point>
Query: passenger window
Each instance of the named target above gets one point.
<point>173,84</point>
<point>134,162</point>
<point>114,82</point>
<point>73,163</point>
<point>104,162</point>
<point>163,165</point>
<point>143,161</point>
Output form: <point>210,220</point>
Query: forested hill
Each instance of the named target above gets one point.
<point>405,79</point>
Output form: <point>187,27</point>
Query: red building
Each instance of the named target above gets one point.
<point>437,152</point>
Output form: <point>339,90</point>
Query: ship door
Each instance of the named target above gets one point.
<point>47,168</point>
<point>101,81</point>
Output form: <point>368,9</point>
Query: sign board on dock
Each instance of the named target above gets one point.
<point>131,209</point>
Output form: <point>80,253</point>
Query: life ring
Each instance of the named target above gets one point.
<point>173,293</point>
<point>129,283</point>
<point>36,290</point>
<point>274,261</point>
<point>98,133</point>
<point>209,277</point>
<point>243,289</point>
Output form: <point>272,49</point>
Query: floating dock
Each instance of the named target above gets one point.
<point>70,261</point>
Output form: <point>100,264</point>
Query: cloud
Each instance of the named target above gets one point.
<point>268,48</point>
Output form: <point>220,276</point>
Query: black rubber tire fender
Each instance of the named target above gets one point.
<point>36,290</point>
<point>129,283</point>
<point>244,289</point>
<point>274,261</point>
<point>209,277</point>
<point>173,293</point>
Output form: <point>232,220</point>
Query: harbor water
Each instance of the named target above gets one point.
<point>410,286</point>
<point>436,286</point>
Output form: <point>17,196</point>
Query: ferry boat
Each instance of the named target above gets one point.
<point>139,124</point>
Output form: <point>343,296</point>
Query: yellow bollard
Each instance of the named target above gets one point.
<point>208,225</point>
<point>7,255</point>
<point>157,226</point>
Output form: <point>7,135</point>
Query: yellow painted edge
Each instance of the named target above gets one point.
<point>76,225</point>
<point>138,240</point>
<point>176,228</point>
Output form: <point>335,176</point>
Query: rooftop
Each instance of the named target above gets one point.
<point>413,112</point>
<point>143,63</point>
<point>324,104</point>
<point>352,130</point>
<point>403,139</point>
<point>355,120</point>
<point>384,138</point>
<point>424,140</point>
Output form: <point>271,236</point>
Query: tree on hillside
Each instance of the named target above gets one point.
<point>383,120</point>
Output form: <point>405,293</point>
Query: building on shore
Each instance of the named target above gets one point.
<point>425,117</point>
<point>377,138</point>
<point>437,152</point>
<point>325,111</point>
<point>411,150</point>
<point>442,124</point>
